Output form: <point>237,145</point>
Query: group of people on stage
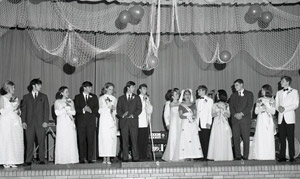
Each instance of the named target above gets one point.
<point>197,129</point>
<point>76,123</point>
<point>201,129</point>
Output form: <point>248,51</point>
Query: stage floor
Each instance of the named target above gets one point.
<point>159,169</point>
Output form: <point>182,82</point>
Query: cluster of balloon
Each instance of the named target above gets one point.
<point>69,69</point>
<point>256,14</point>
<point>133,16</point>
<point>225,56</point>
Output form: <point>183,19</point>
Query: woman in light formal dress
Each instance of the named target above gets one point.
<point>263,147</point>
<point>189,143</point>
<point>220,147</point>
<point>171,114</point>
<point>11,131</point>
<point>144,121</point>
<point>66,150</point>
<point>107,137</point>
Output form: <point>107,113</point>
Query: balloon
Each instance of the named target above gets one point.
<point>254,11</point>
<point>120,25</point>
<point>68,69</point>
<point>266,17</point>
<point>134,21</point>
<point>262,24</point>
<point>152,61</point>
<point>225,56</point>
<point>148,72</point>
<point>249,19</point>
<point>219,66</point>
<point>124,17</point>
<point>136,12</point>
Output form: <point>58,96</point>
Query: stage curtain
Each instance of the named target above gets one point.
<point>179,66</point>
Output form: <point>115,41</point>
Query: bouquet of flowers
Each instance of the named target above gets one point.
<point>15,104</point>
<point>109,104</point>
<point>69,102</point>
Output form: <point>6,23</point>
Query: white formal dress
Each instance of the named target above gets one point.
<point>107,137</point>
<point>220,147</point>
<point>174,132</point>
<point>66,149</point>
<point>263,147</point>
<point>11,133</point>
<point>189,142</point>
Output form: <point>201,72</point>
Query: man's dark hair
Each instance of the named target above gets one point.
<point>240,81</point>
<point>87,84</point>
<point>33,82</point>
<point>287,78</point>
<point>128,84</point>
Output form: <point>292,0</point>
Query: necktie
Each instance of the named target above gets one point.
<point>129,97</point>
<point>35,95</point>
<point>86,97</point>
<point>285,89</point>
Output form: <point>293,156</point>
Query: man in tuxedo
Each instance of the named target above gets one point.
<point>204,106</point>
<point>129,108</point>
<point>35,118</point>
<point>240,104</point>
<point>287,101</point>
<point>86,106</point>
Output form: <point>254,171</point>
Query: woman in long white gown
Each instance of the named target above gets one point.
<point>263,147</point>
<point>11,131</point>
<point>189,143</point>
<point>171,116</point>
<point>220,146</point>
<point>107,136</point>
<point>66,149</point>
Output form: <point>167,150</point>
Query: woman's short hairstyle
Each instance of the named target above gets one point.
<point>105,87</point>
<point>140,87</point>
<point>170,93</point>
<point>268,90</point>
<point>60,90</point>
<point>33,82</point>
<point>5,88</point>
<point>222,96</point>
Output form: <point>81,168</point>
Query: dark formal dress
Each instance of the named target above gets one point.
<point>241,102</point>
<point>86,124</point>
<point>129,125</point>
<point>35,112</point>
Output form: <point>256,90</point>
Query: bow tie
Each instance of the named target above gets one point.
<point>201,98</point>
<point>285,89</point>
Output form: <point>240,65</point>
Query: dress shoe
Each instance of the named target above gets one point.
<point>27,164</point>
<point>124,160</point>
<point>238,158</point>
<point>292,160</point>
<point>282,160</point>
<point>91,161</point>
<point>137,160</point>
<point>42,163</point>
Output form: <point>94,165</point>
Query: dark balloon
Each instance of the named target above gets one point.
<point>219,66</point>
<point>68,69</point>
<point>266,17</point>
<point>148,72</point>
<point>136,12</point>
<point>225,56</point>
<point>254,11</point>
<point>120,25</point>
<point>249,19</point>
<point>134,21</point>
<point>124,17</point>
<point>262,24</point>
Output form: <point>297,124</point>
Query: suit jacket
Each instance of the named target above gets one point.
<point>133,106</point>
<point>204,111</point>
<point>35,110</point>
<point>290,102</point>
<point>242,104</point>
<point>80,103</point>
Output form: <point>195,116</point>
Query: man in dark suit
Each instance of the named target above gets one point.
<point>241,103</point>
<point>35,118</point>
<point>128,109</point>
<point>86,106</point>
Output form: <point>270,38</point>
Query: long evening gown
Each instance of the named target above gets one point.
<point>263,147</point>
<point>66,149</point>
<point>220,146</point>
<point>11,133</point>
<point>107,137</point>
<point>174,133</point>
<point>189,142</point>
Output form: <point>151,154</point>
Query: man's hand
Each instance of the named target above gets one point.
<point>238,116</point>
<point>87,109</point>
<point>24,125</point>
<point>125,114</point>
<point>131,116</point>
<point>207,126</point>
<point>45,125</point>
<point>281,109</point>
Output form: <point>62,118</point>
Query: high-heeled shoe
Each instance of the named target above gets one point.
<point>13,166</point>
<point>6,166</point>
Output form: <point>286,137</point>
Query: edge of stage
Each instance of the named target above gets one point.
<point>159,169</point>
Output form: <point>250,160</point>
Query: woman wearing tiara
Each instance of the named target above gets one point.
<point>220,147</point>
<point>173,124</point>
<point>263,142</point>
<point>189,143</point>
<point>66,150</point>
<point>11,131</point>
<point>107,137</point>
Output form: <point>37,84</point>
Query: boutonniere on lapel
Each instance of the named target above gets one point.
<point>132,96</point>
<point>90,96</point>
<point>108,100</point>
<point>68,102</point>
<point>289,91</point>
<point>205,100</point>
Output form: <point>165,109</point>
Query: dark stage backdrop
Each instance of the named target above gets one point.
<point>179,66</point>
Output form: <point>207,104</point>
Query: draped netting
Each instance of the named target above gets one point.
<point>78,33</point>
